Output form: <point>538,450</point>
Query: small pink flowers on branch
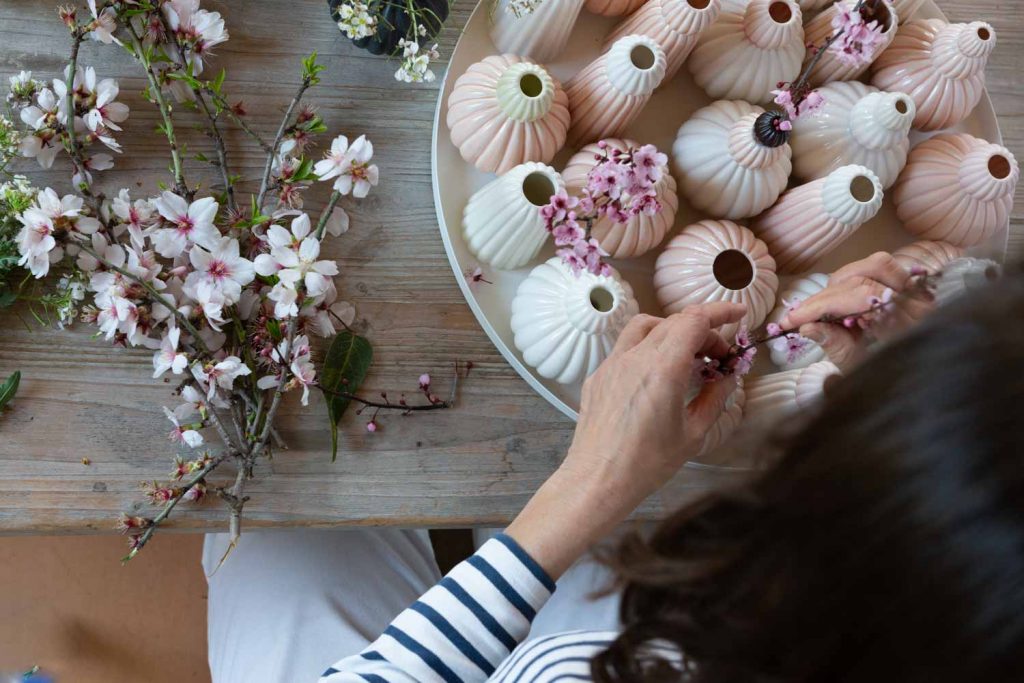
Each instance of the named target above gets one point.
<point>620,187</point>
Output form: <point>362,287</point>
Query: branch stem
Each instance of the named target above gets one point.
<point>326,214</point>
<point>265,183</point>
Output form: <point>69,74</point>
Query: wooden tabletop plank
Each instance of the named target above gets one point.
<point>471,466</point>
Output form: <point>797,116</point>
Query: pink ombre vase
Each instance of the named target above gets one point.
<point>830,68</point>
<point>727,423</point>
<point>941,66</point>
<point>611,91</point>
<point>931,256</point>
<point>612,8</point>
<point>717,261</point>
<point>957,188</point>
<point>674,24</point>
<point>505,111</point>
<point>640,233</point>
<point>754,45</point>
<point>772,398</point>
<point>906,9</point>
<point>811,220</point>
<point>541,35</point>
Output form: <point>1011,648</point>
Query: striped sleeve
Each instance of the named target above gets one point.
<point>460,630</point>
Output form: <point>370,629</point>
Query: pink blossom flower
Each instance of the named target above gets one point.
<point>221,268</point>
<point>743,363</point>
<point>773,329</point>
<point>568,233</point>
<point>168,357</point>
<point>858,41</point>
<point>190,223</point>
<point>184,434</point>
<point>350,165</point>
<point>425,382</point>
<point>793,345</point>
<point>560,206</point>
<point>371,426</point>
<point>649,163</point>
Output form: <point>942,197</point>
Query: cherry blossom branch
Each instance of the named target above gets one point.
<point>325,216</point>
<point>388,405</point>
<point>307,81</point>
<point>222,105</point>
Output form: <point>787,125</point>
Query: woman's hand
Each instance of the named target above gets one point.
<point>636,429</point>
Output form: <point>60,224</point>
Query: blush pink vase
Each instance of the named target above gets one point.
<point>811,220</point>
<point>727,423</point>
<point>640,233</point>
<point>830,68</point>
<point>505,111</point>
<point>612,8</point>
<point>941,66</point>
<point>541,35</point>
<point>717,261</point>
<point>772,398</point>
<point>957,188</point>
<point>932,256</point>
<point>674,24</point>
<point>906,9</point>
<point>611,91</point>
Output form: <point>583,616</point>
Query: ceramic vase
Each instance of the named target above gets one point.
<point>857,124</point>
<point>502,224</point>
<point>727,423</point>
<point>674,24</point>
<point>717,261</point>
<point>722,166</point>
<point>906,9</point>
<point>830,68</point>
<point>613,8</point>
<point>808,6</point>
<point>772,398</point>
<point>565,324</point>
<point>963,275</point>
<point>505,111</point>
<point>941,66</point>
<point>791,294</point>
<point>931,256</point>
<point>640,233</point>
<point>611,91</point>
<point>957,188</point>
<point>754,45</point>
<point>541,35</point>
<point>811,220</point>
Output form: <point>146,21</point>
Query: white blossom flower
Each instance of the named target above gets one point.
<point>284,298</point>
<point>105,112</point>
<point>96,162</point>
<point>212,302</point>
<point>337,222</point>
<point>197,29</point>
<point>221,374</point>
<point>415,66</point>
<point>355,20</point>
<point>50,218</point>
<point>111,253</point>
<point>350,165</point>
<point>190,224</point>
<point>168,357</point>
<point>104,24</point>
<point>293,258</point>
<point>182,434</point>
<point>304,374</point>
<point>22,88</point>
<point>221,267</point>
<point>136,216</point>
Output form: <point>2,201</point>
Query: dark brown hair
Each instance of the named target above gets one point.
<point>886,542</point>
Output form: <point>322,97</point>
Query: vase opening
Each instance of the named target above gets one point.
<point>780,12</point>
<point>601,299</point>
<point>531,85</point>
<point>698,4</point>
<point>862,189</point>
<point>538,189</point>
<point>901,106</point>
<point>999,167</point>
<point>642,57</point>
<point>733,269</point>
<point>984,33</point>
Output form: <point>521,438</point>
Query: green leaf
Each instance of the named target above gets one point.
<point>345,366</point>
<point>7,297</point>
<point>219,81</point>
<point>9,388</point>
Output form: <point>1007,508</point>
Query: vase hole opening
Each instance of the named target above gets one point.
<point>780,12</point>
<point>531,85</point>
<point>733,269</point>
<point>999,167</point>
<point>862,188</point>
<point>698,4</point>
<point>984,33</point>
<point>642,57</point>
<point>602,300</point>
<point>883,15</point>
<point>538,189</point>
<point>901,106</point>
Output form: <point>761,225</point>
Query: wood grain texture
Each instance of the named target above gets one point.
<point>475,465</point>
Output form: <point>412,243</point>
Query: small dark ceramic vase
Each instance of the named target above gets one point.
<point>394,22</point>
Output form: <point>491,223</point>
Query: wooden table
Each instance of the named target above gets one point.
<point>475,465</point>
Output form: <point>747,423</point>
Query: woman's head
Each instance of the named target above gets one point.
<point>886,542</point>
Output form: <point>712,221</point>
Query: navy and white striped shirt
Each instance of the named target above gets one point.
<point>468,629</point>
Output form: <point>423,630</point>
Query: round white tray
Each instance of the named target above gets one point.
<point>455,181</point>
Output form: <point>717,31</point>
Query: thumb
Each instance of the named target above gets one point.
<point>842,346</point>
<point>703,411</point>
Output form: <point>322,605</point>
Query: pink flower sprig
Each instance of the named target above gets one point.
<point>620,186</point>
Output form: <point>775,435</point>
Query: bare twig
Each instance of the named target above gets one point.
<point>223,105</point>
<point>326,214</point>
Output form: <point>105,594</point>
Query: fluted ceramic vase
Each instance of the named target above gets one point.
<point>830,67</point>
<point>675,25</point>
<point>502,224</point>
<point>613,8</point>
<point>717,261</point>
<point>941,66</point>
<point>906,9</point>
<point>640,233</point>
<point>929,255</point>
<point>505,111</point>
<point>754,45</point>
<point>963,275</point>
<point>727,423</point>
<point>541,35</point>
<point>792,294</point>
<point>773,398</point>
<point>857,124</point>
<point>565,324</point>
<point>808,6</point>
<point>723,168</point>
<point>611,91</point>
<point>811,220</point>
<point>957,188</point>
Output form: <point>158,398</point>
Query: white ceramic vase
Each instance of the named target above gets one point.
<point>962,275</point>
<point>505,111</point>
<point>906,9</point>
<point>502,224</point>
<point>565,324</point>
<point>727,423</point>
<point>613,8</point>
<point>929,255</point>
<point>541,35</point>
<point>611,91</point>
<point>722,167</point>
<point>808,6</point>
<point>772,398</point>
<point>811,220</point>
<point>857,124</point>
<point>717,261</point>
<point>640,233</point>
<point>754,45</point>
<point>792,293</point>
<point>675,25</point>
<point>830,68</point>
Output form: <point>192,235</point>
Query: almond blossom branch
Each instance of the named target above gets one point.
<point>307,81</point>
<point>388,405</point>
<point>325,216</point>
<point>222,105</point>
